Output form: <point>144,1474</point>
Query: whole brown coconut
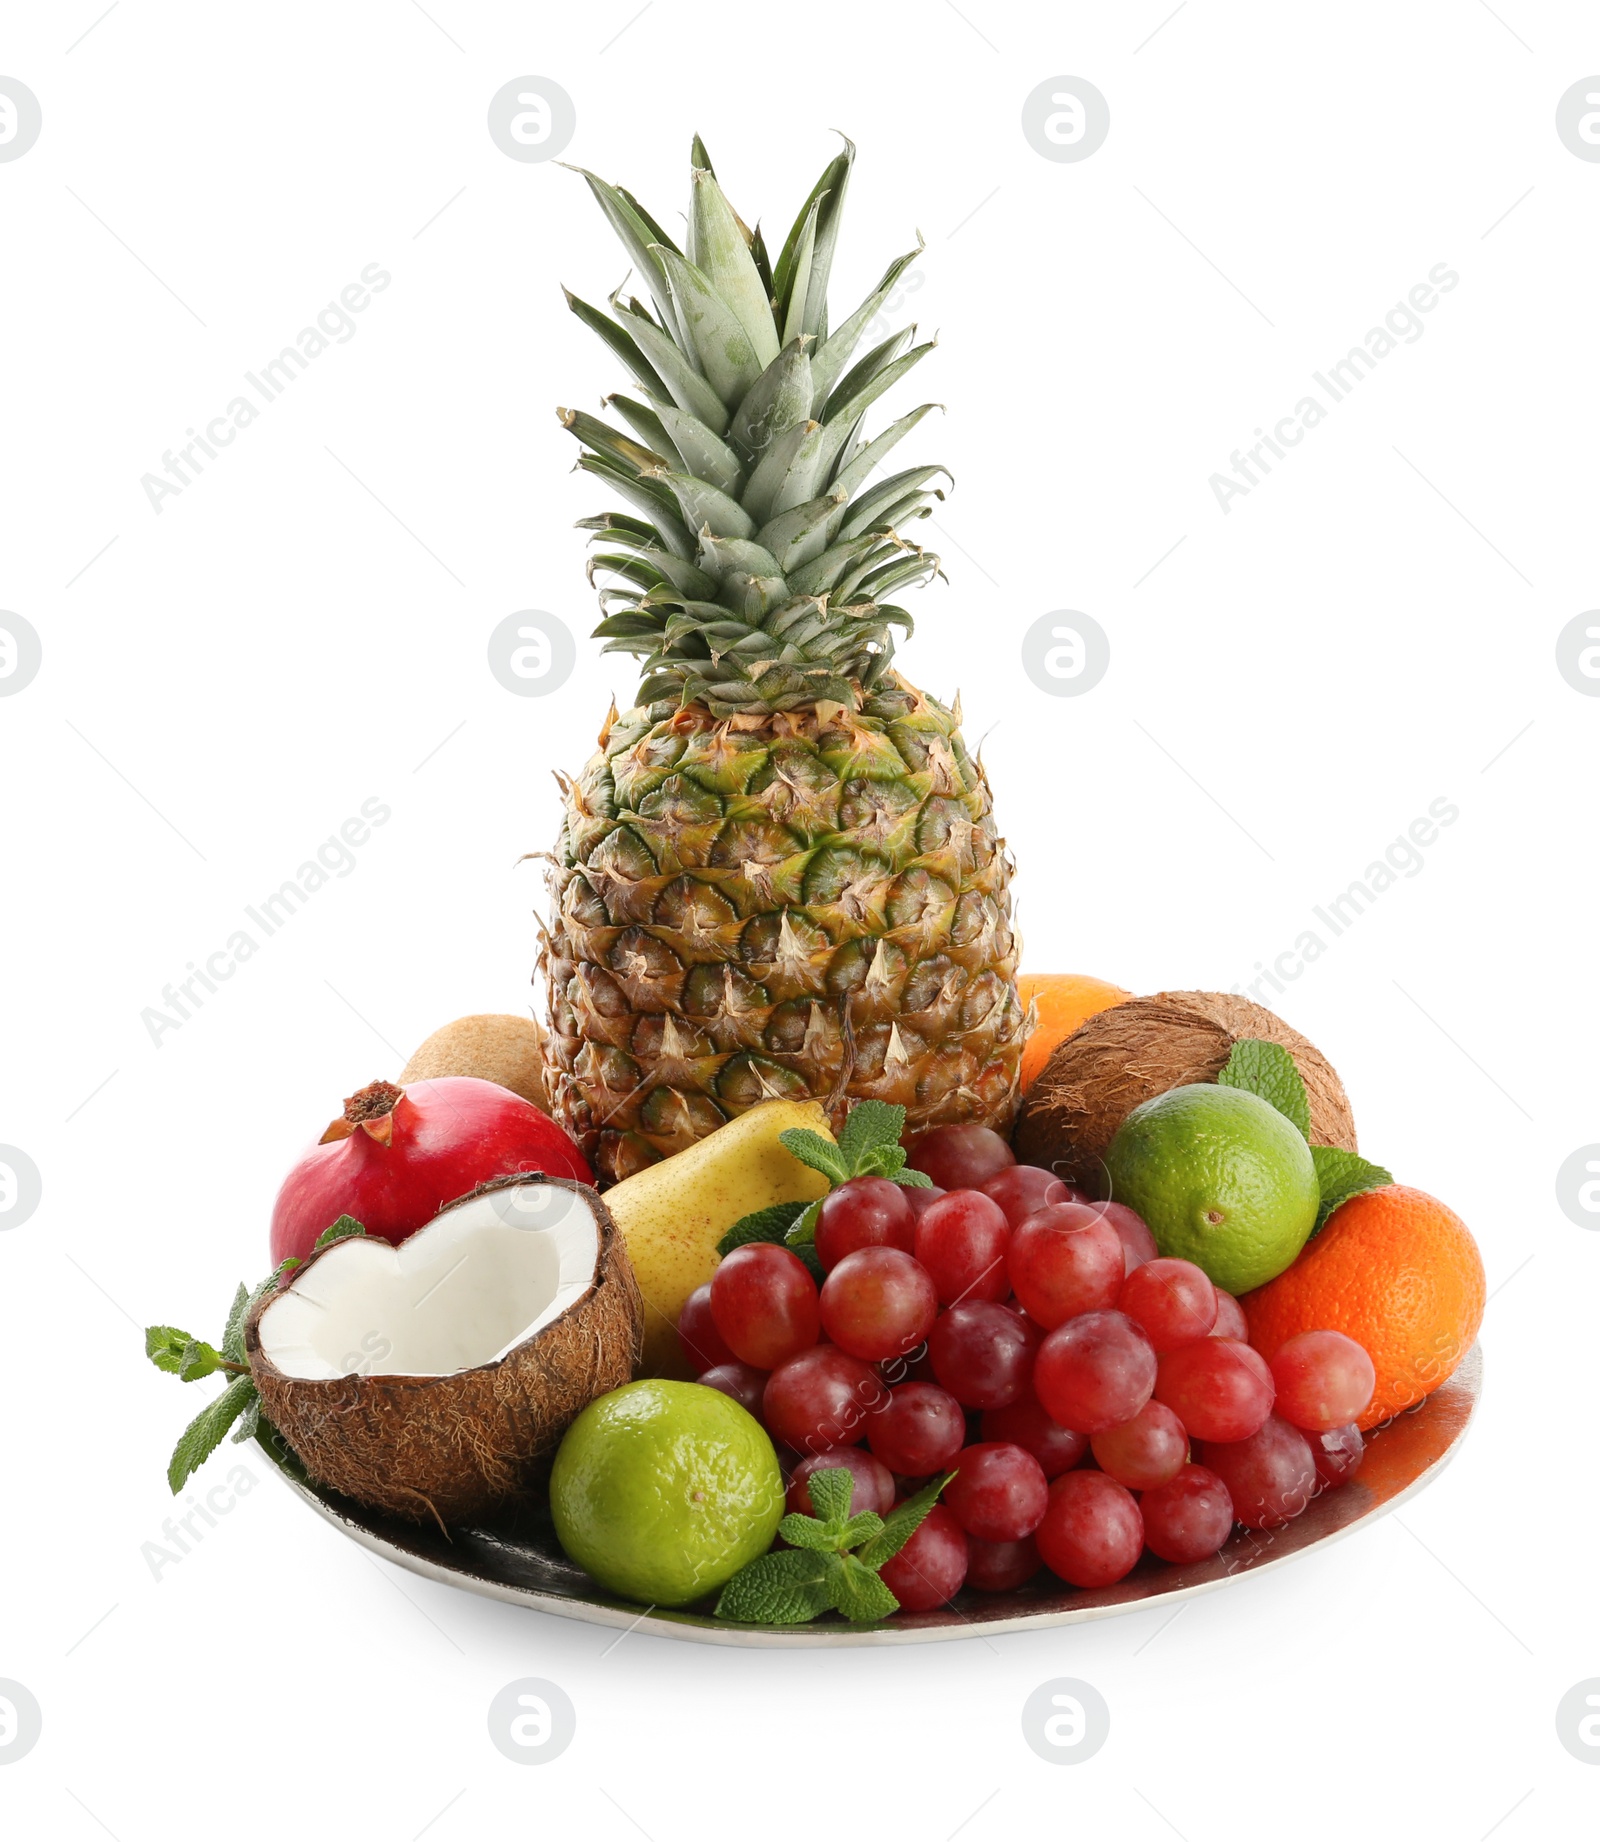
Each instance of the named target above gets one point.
<point>1129,1054</point>
<point>452,1444</point>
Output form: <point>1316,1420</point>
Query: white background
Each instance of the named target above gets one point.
<point>305,627</point>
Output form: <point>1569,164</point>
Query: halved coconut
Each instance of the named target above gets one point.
<point>430,1379</point>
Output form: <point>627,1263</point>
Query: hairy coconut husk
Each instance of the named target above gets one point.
<point>458,1448</point>
<point>491,1045</point>
<point>1129,1054</point>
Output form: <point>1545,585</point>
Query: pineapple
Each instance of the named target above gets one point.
<point>780,876</point>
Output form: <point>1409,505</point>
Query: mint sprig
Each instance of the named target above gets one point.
<point>868,1146</point>
<point>832,1561</point>
<point>1268,1071</point>
<point>175,1352</point>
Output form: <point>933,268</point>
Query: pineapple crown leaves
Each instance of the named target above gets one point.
<point>753,569</point>
<point>175,1352</point>
<point>832,1561</point>
<point>869,1146</point>
<point>1268,1071</point>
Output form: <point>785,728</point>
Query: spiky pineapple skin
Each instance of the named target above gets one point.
<point>807,904</point>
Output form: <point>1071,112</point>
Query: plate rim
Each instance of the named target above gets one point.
<point>1466,1383</point>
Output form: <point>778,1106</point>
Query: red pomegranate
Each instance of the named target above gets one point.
<point>399,1154</point>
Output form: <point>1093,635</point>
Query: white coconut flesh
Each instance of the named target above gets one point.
<point>478,1280</point>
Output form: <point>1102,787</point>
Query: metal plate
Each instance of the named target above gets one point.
<point>524,1565</point>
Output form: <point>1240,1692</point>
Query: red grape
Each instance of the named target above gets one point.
<point>913,1366</point>
<point>920,1201</point>
<point>698,1336</point>
<point>998,1492</point>
<point>1172,1302</point>
<point>1026,1423</point>
<point>1189,1517</point>
<point>1064,1260</point>
<point>764,1304</point>
<point>1092,1532</point>
<point>1144,1451</point>
<point>929,1569</point>
<point>872,1488</point>
<point>1219,1389</point>
<point>919,1430</point>
<point>1231,1320</point>
<point>1138,1243</point>
<point>1270,1476</point>
<point>962,1240</point>
<point>1337,1455</point>
<point>1094,1371</point>
<point>1324,1379</point>
<point>878,1303</point>
<point>1021,1188</point>
<point>865,1212</point>
<point>1001,1566</point>
<point>1036,1332</point>
<point>983,1353</point>
<point>960,1157</point>
<point>739,1382</point>
<point>820,1399</point>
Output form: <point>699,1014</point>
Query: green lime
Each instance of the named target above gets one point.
<point>1221,1178</point>
<point>664,1489</point>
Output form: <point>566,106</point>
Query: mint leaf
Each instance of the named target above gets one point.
<point>198,1360</point>
<point>1341,1175</point>
<point>804,1231</point>
<point>882,1161</point>
<point>830,1490</point>
<point>165,1346</point>
<point>233,1335</point>
<point>244,1302</point>
<point>859,1594</point>
<point>249,1421</point>
<point>341,1230</point>
<point>861,1527</point>
<point>806,1252</point>
<point>789,1587</point>
<point>1268,1071</point>
<point>201,1437</point>
<point>912,1179</point>
<point>802,1238</point>
<point>901,1524</point>
<point>769,1224</point>
<point>806,1532</point>
<point>813,1149</point>
<point>872,1126</point>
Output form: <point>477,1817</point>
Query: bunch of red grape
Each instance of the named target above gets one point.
<point>1002,1326</point>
